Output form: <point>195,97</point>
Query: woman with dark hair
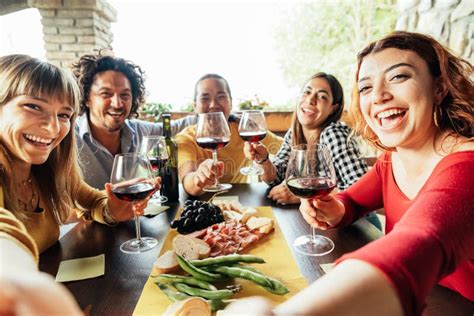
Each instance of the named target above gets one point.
<point>316,120</point>
<point>414,99</point>
<point>41,185</point>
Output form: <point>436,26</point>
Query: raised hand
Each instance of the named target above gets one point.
<point>322,213</point>
<point>207,173</point>
<point>282,195</point>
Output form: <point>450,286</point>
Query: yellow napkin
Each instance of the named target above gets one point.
<point>80,269</point>
<point>226,198</point>
<point>155,209</point>
<point>279,264</point>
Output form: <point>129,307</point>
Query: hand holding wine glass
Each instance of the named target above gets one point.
<point>310,175</point>
<point>212,133</point>
<point>253,129</point>
<point>133,181</point>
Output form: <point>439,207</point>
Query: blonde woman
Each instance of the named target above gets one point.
<point>40,183</point>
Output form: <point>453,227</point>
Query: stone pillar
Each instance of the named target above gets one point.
<point>451,22</point>
<point>73,28</point>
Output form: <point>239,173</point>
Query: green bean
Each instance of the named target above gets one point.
<point>249,273</point>
<point>277,287</point>
<point>212,295</point>
<point>226,260</point>
<point>175,296</point>
<point>170,278</point>
<point>172,294</point>
<point>236,265</point>
<point>244,274</point>
<point>218,304</point>
<point>198,273</point>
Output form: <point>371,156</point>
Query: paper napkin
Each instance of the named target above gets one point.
<point>81,269</point>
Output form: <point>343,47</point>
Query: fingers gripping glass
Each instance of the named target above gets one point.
<point>133,181</point>
<point>310,175</point>
<point>212,133</point>
<point>252,128</point>
<point>154,147</point>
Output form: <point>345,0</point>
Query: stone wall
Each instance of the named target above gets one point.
<point>71,28</point>
<point>449,21</point>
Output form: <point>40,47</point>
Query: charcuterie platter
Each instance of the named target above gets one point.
<point>241,254</point>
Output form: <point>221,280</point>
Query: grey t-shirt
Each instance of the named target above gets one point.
<point>96,161</point>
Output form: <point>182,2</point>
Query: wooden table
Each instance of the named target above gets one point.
<point>117,292</point>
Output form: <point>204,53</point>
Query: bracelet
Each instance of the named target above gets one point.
<point>263,160</point>
<point>108,218</point>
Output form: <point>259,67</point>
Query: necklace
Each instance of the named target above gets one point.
<point>26,189</point>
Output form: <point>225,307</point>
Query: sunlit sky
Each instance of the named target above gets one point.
<point>176,42</point>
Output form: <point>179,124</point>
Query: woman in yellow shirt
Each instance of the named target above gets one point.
<point>40,182</point>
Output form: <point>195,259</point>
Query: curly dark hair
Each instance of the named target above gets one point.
<point>88,66</point>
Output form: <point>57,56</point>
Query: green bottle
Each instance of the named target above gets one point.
<point>169,174</point>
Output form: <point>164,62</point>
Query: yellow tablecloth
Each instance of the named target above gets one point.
<point>279,264</point>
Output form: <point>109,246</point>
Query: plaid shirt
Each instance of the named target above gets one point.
<point>344,153</point>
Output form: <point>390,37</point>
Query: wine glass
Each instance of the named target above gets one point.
<point>252,128</point>
<point>310,175</point>
<point>212,133</point>
<point>155,149</point>
<point>133,181</point>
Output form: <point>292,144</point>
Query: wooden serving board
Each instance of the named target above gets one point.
<point>279,264</point>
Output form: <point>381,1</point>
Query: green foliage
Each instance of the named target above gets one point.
<point>188,107</point>
<point>254,103</point>
<point>153,110</point>
<point>326,36</point>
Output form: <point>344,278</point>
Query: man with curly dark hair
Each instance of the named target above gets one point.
<point>112,92</point>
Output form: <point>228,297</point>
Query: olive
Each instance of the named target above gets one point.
<point>197,203</point>
<point>188,202</point>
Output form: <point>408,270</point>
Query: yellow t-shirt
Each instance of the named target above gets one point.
<point>232,155</point>
<point>40,230</point>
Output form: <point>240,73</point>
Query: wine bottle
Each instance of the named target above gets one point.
<point>169,174</point>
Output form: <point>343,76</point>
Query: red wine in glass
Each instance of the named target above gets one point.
<point>310,188</point>
<point>252,136</point>
<point>212,143</point>
<point>213,133</point>
<point>134,192</point>
<point>310,174</point>
<point>157,163</point>
<point>133,181</point>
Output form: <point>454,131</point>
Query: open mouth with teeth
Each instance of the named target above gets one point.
<point>38,141</point>
<point>115,114</point>
<point>307,111</point>
<point>390,118</point>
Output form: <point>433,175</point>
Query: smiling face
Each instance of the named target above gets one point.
<point>397,93</point>
<point>315,103</point>
<point>110,100</point>
<point>32,127</point>
<point>212,96</point>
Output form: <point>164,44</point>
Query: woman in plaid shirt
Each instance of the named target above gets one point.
<point>316,120</point>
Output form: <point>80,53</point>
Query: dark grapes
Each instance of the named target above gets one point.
<point>197,215</point>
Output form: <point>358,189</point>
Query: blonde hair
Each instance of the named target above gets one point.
<point>454,113</point>
<point>59,176</point>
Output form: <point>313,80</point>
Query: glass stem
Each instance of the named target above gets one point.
<point>313,234</point>
<point>137,227</point>
<point>214,157</point>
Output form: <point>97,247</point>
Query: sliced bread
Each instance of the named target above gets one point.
<point>166,263</point>
<point>191,248</point>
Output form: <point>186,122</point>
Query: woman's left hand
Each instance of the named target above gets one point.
<point>122,210</point>
<point>282,195</point>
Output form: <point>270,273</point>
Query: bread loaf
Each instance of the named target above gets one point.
<point>166,263</point>
<point>191,248</point>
